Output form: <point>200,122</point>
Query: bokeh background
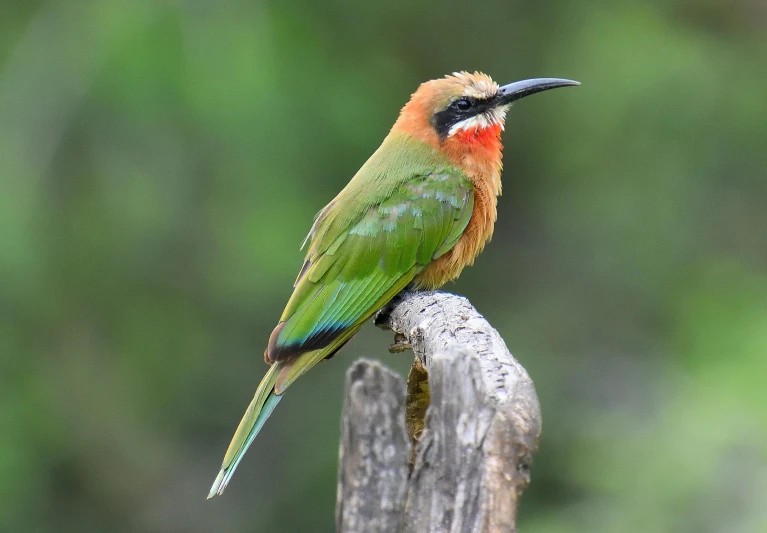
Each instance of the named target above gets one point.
<point>161,161</point>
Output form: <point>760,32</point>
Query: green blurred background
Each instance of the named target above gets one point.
<point>161,161</point>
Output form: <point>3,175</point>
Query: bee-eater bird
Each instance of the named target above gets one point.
<point>417,212</point>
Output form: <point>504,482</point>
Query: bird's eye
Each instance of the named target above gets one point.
<point>463,104</point>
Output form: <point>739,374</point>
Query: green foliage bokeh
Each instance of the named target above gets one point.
<point>160,163</point>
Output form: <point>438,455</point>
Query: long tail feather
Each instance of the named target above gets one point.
<point>280,376</point>
<point>262,405</point>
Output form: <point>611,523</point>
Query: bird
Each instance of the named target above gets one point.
<point>419,210</point>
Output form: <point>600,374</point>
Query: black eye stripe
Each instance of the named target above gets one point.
<point>457,111</point>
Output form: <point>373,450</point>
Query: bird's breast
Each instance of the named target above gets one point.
<point>484,170</point>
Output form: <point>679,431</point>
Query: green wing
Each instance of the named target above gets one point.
<point>353,269</point>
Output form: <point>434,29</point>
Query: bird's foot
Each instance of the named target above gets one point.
<point>401,344</point>
<point>381,317</point>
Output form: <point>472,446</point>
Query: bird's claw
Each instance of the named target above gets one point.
<point>401,344</point>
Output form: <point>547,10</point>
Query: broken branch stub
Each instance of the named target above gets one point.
<point>474,448</point>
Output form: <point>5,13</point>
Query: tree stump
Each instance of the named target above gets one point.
<point>449,452</point>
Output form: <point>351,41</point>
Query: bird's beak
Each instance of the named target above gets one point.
<point>519,89</point>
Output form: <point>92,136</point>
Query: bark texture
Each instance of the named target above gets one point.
<point>374,451</point>
<point>472,452</point>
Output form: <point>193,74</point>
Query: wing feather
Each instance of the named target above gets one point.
<point>350,272</point>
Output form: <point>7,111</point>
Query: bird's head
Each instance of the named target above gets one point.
<point>466,108</point>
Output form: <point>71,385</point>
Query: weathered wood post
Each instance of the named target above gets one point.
<point>472,448</point>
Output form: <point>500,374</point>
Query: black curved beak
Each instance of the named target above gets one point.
<point>519,89</point>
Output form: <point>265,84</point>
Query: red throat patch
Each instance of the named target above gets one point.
<point>489,137</point>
